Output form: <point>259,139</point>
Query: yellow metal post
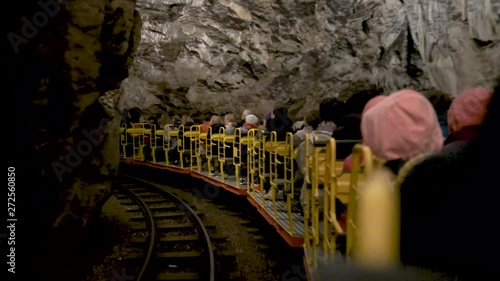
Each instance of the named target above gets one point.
<point>209,150</point>
<point>355,192</point>
<point>237,150</point>
<point>123,139</point>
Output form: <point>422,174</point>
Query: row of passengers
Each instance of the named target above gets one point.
<point>321,124</point>
<point>405,125</point>
<point>277,121</point>
<point>435,196</point>
<point>464,117</point>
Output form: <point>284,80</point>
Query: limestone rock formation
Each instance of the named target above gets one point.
<point>64,56</point>
<point>227,55</point>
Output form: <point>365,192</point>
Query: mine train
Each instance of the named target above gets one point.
<point>244,164</point>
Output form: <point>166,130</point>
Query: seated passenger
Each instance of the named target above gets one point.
<point>348,126</point>
<point>230,123</point>
<point>204,126</point>
<point>150,122</point>
<point>251,122</point>
<point>280,123</point>
<point>449,206</point>
<point>400,127</point>
<point>357,102</point>
<point>323,132</point>
<point>187,121</point>
<point>298,125</point>
<point>243,115</point>
<point>132,116</point>
<point>331,111</point>
<point>216,123</point>
<point>311,122</point>
<point>441,103</point>
<point>264,121</point>
<point>465,116</point>
<point>371,103</point>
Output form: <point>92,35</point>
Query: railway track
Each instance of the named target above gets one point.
<point>172,243</point>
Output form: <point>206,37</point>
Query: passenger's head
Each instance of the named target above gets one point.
<point>134,115</point>
<point>186,119</point>
<point>281,112</point>
<point>357,102</point>
<point>440,101</point>
<point>215,120</point>
<point>401,126</point>
<point>331,109</point>
<point>252,120</point>
<point>245,113</point>
<point>312,119</point>
<point>151,119</point>
<point>468,108</point>
<point>265,120</point>
<point>372,102</point>
<point>229,118</point>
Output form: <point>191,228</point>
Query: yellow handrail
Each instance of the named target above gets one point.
<point>331,226</point>
<point>194,148</point>
<point>355,191</point>
<point>137,134</point>
<point>124,139</point>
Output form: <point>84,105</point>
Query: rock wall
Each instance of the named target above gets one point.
<point>64,57</point>
<point>227,55</point>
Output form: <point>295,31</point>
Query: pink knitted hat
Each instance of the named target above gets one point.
<point>468,108</point>
<point>401,126</point>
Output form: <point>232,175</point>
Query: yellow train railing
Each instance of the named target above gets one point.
<point>124,139</point>
<point>289,179</point>
<point>180,145</point>
<point>316,175</point>
<point>208,149</point>
<point>331,226</point>
<point>158,136</point>
<point>172,132</point>
<point>377,244</point>
<point>358,175</point>
<point>253,155</point>
<point>202,143</point>
<point>259,146</point>
<point>226,143</point>
<point>284,150</point>
<point>137,135</point>
<point>214,139</point>
<point>237,156</point>
<point>322,168</point>
<point>218,140</point>
<point>148,132</point>
<point>270,148</point>
<point>194,148</point>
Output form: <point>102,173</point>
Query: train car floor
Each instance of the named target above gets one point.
<point>291,230</point>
